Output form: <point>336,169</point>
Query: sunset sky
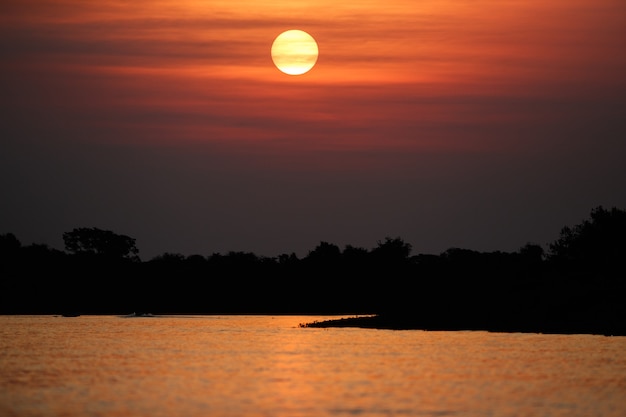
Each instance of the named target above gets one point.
<point>483,124</point>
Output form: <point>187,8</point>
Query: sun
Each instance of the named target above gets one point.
<point>294,52</point>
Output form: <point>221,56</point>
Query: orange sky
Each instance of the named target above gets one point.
<point>201,70</point>
<point>535,82</point>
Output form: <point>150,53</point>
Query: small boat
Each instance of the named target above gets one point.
<point>140,314</point>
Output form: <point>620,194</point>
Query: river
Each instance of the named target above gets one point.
<point>268,366</point>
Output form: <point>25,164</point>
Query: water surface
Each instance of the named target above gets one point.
<point>268,366</point>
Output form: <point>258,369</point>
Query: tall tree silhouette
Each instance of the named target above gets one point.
<point>100,242</point>
<point>600,241</point>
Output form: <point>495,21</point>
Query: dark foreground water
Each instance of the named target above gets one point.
<point>248,366</point>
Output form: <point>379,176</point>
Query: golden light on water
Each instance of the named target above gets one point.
<point>294,52</point>
<point>215,365</point>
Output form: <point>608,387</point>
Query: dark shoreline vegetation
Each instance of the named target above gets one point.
<point>577,286</point>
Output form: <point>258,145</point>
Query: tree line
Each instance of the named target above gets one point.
<point>577,285</point>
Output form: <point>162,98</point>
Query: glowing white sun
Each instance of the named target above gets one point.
<point>294,52</point>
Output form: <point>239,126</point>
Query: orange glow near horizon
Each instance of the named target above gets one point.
<point>202,71</point>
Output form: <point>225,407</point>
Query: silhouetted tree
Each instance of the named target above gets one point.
<point>600,241</point>
<point>196,260</point>
<point>100,242</point>
<point>325,253</point>
<point>532,253</point>
<point>392,250</point>
<point>168,257</point>
<point>460,256</point>
<point>9,244</point>
<point>356,258</point>
<point>285,259</point>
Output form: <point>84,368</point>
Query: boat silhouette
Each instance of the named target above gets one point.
<point>139,314</point>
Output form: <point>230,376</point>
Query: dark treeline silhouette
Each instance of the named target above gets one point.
<point>577,286</point>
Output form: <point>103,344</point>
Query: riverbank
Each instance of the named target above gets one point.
<point>408,323</point>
